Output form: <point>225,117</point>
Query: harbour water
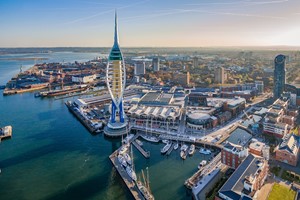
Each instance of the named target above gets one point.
<point>52,156</point>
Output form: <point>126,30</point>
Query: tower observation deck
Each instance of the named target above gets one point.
<point>116,80</point>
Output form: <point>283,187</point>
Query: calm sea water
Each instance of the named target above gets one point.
<point>52,156</point>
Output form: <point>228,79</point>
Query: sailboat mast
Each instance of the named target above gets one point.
<point>148,181</point>
<point>144,179</point>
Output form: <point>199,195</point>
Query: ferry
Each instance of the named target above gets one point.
<point>166,148</point>
<point>192,149</point>
<point>150,138</point>
<point>128,158</point>
<point>205,151</point>
<point>66,90</point>
<point>122,160</point>
<point>176,146</point>
<point>202,163</point>
<point>131,173</point>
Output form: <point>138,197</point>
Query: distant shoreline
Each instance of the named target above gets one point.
<point>24,59</point>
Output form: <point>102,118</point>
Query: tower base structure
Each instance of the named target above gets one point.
<point>116,129</point>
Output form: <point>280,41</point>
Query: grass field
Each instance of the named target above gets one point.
<point>280,192</point>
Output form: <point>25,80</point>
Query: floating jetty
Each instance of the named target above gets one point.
<point>145,153</point>
<point>5,132</point>
<point>131,185</point>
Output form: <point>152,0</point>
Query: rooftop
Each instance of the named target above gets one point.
<point>235,184</point>
<point>239,137</point>
<point>156,98</point>
<point>290,143</point>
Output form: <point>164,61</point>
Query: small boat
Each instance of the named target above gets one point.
<point>150,138</point>
<point>139,142</point>
<point>183,155</point>
<point>176,146</point>
<point>166,148</point>
<point>184,147</point>
<point>183,152</point>
<point>131,173</point>
<point>192,149</point>
<point>122,160</point>
<point>165,141</point>
<point>205,151</point>
<point>37,94</point>
<point>202,163</point>
<point>128,158</point>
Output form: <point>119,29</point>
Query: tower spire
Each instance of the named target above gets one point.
<point>116,38</point>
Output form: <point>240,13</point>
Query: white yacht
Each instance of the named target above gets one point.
<point>202,163</point>
<point>165,141</point>
<point>128,158</point>
<point>176,146</point>
<point>166,147</point>
<point>192,149</point>
<point>122,160</point>
<point>184,147</point>
<point>150,138</point>
<point>183,150</point>
<point>131,173</point>
<point>205,151</point>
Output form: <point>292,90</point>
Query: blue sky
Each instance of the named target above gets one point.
<point>151,23</point>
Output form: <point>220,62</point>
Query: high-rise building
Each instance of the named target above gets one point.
<point>195,62</point>
<point>155,64</point>
<point>139,68</point>
<point>279,76</point>
<point>220,75</point>
<point>115,80</point>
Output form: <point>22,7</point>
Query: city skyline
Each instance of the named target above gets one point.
<point>150,23</point>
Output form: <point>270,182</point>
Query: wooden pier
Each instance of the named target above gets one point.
<point>146,154</point>
<point>131,185</point>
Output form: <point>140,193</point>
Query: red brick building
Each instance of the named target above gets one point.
<point>288,150</point>
<point>232,155</point>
